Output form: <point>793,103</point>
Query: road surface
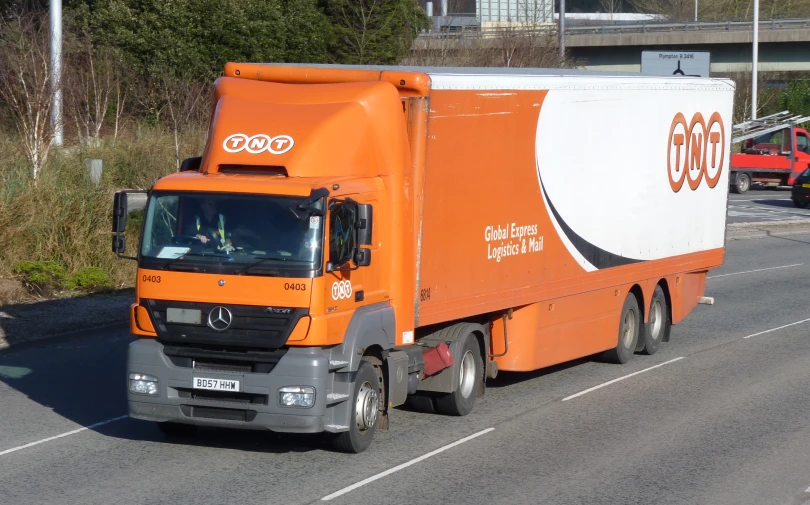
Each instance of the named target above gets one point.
<point>718,416</point>
<point>764,205</point>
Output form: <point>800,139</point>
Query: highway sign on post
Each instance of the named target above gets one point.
<point>683,63</point>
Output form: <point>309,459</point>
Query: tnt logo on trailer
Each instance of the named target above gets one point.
<point>695,150</point>
<point>257,144</point>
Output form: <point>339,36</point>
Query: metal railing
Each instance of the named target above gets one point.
<point>619,28</point>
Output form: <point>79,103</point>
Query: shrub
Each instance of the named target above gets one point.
<point>90,279</point>
<point>42,277</point>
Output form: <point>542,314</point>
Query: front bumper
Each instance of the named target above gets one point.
<point>255,407</point>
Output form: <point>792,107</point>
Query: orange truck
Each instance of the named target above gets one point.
<point>353,236</point>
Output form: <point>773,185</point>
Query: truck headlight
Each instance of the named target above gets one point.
<point>296,396</point>
<point>141,384</point>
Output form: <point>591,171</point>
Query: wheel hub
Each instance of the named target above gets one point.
<point>466,379</point>
<point>629,328</point>
<point>656,319</point>
<point>366,407</point>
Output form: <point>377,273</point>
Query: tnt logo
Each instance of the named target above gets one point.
<point>257,144</point>
<point>695,151</point>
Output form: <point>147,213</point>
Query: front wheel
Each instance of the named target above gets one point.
<point>366,407</point>
<point>470,376</point>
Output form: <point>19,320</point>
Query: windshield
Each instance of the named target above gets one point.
<point>231,233</point>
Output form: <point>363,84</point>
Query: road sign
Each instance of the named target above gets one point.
<point>683,63</point>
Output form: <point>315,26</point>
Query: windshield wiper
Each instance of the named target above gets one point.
<point>172,261</point>
<point>263,259</point>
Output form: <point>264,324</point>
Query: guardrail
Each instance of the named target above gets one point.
<point>709,26</point>
<point>620,28</point>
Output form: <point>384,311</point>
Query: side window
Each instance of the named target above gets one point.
<point>802,143</point>
<point>341,234</point>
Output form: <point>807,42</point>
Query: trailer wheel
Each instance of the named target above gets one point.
<point>365,412</point>
<point>742,184</point>
<point>658,324</point>
<point>629,326</point>
<point>470,375</point>
<point>177,430</point>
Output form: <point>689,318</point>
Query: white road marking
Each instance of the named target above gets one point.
<point>763,198</point>
<point>779,328</point>
<point>26,446</point>
<point>404,465</point>
<point>757,270</point>
<point>608,383</point>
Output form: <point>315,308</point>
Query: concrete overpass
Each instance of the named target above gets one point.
<point>784,45</point>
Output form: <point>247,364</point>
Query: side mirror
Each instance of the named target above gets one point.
<point>119,244</point>
<point>363,222</point>
<point>121,209</point>
<point>190,164</point>
<point>362,257</point>
<point>119,218</point>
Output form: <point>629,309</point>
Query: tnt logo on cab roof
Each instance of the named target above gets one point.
<point>695,150</point>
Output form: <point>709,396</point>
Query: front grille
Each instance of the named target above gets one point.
<point>250,327</point>
<point>221,366</point>
<point>218,413</point>
<point>223,359</point>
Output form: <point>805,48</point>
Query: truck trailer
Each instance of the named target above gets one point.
<point>352,237</point>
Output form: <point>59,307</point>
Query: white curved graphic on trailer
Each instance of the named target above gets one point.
<point>599,180</point>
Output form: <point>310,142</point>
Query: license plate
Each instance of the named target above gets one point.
<point>215,384</point>
<point>185,316</point>
<point>806,185</point>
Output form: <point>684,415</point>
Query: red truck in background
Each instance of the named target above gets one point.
<point>773,149</point>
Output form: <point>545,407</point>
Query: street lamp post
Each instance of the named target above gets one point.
<point>754,62</point>
<point>562,30</point>
<point>696,2</point>
<point>56,70</point>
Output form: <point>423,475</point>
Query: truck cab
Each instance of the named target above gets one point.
<point>778,154</point>
<point>265,264</point>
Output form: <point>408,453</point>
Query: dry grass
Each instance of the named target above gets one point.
<point>12,292</point>
<point>64,217</point>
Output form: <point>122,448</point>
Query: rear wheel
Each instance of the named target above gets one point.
<point>657,325</point>
<point>177,430</point>
<point>742,184</point>
<point>470,375</point>
<point>366,407</point>
<point>629,326</point>
<point>802,204</point>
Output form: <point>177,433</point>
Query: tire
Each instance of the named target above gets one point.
<point>799,203</point>
<point>629,328</point>
<point>177,430</point>
<point>365,412</point>
<point>742,184</point>
<point>657,327</point>
<point>471,374</point>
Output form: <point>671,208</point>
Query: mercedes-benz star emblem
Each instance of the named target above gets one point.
<point>219,319</point>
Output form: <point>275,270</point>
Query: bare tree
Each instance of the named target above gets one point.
<point>25,83</point>
<point>186,103</point>
<point>611,6</point>
<point>95,80</point>
<point>723,10</point>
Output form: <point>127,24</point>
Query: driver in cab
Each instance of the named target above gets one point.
<point>210,227</point>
